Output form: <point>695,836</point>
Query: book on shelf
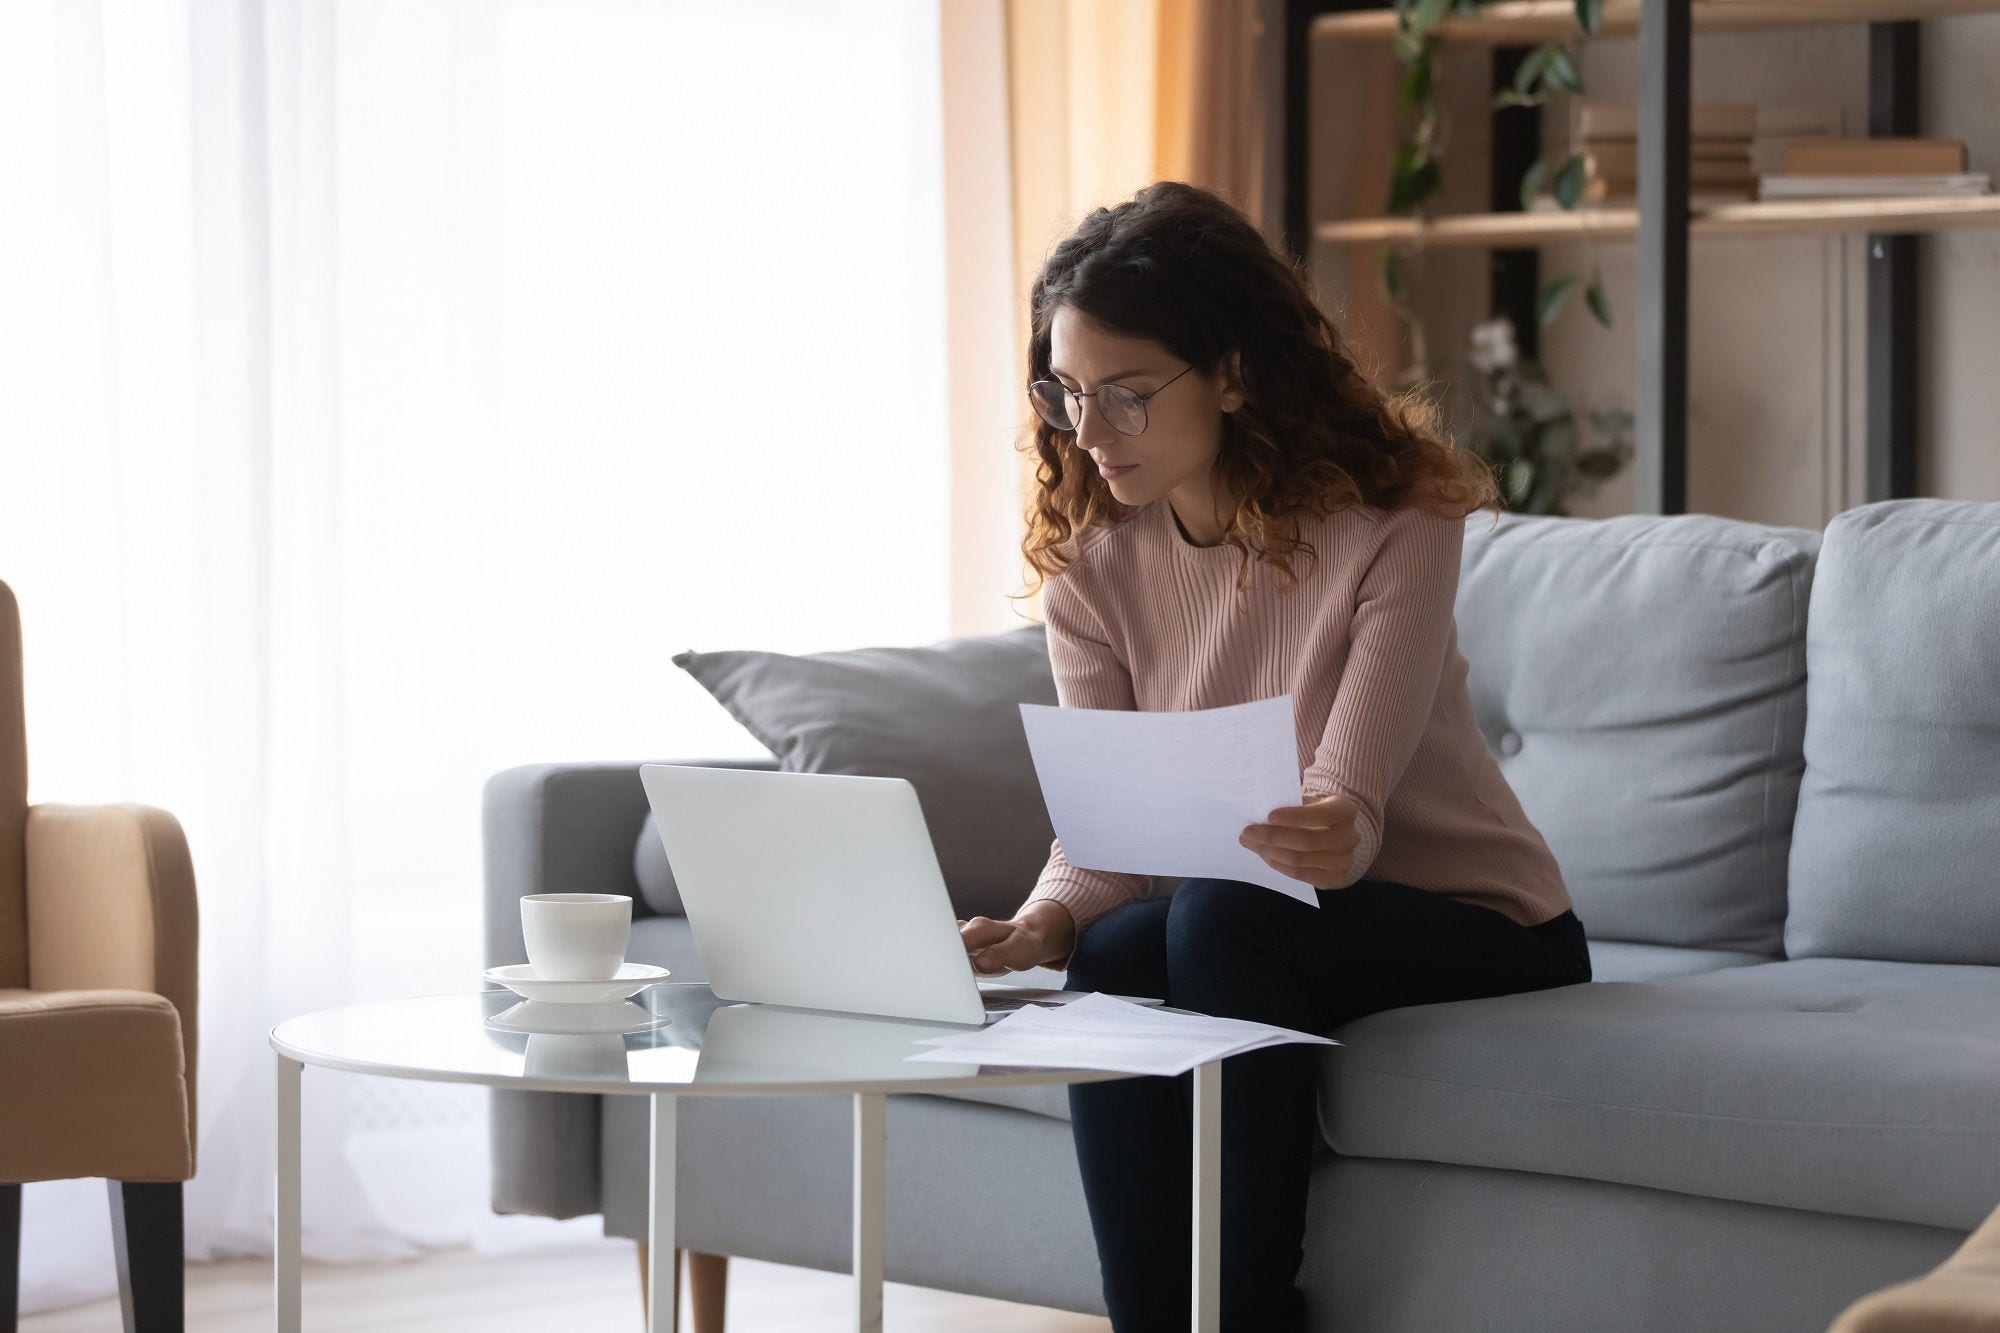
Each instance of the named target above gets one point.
<point>1831,155</point>
<point>1779,127</point>
<point>1704,171</point>
<point>1624,192</point>
<point>1775,130</point>
<point>1707,159</point>
<point>1591,119</point>
<point>1866,185</point>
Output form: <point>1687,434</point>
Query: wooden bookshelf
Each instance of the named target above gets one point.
<point>1525,22</point>
<point>1660,237</point>
<point>1762,217</point>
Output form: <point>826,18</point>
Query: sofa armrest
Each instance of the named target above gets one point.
<point>552,828</point>
<point>1960,1295</point>
<point>557,828</point>
<point>111,906</point>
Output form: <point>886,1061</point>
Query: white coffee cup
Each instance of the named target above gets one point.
<point>576,936</point>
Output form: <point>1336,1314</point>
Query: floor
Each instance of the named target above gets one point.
<point>584,1288</point>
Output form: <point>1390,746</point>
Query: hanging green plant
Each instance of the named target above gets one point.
<point>1416,169</point>
<point>1527,431</point>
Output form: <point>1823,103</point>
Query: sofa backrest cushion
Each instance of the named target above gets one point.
<point>1896,853</point>
<point>1641,680</point>
<point>947,717</point>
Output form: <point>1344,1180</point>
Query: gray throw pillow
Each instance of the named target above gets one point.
<point>946,717</point>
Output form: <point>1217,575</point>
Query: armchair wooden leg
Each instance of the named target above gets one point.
<point>10,1257</point>
<point>146,1237</point>
<point>708,1286</point>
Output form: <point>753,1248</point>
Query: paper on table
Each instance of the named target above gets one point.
<point>1099,1032</point>
<point>1168,793</point>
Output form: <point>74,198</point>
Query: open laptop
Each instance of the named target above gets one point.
<point>821,891</point>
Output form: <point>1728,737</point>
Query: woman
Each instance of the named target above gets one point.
<point>1204,429</point>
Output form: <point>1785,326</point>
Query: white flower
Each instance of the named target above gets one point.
<point>1492,345</point>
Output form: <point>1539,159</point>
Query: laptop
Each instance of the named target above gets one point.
<point>822,891</point>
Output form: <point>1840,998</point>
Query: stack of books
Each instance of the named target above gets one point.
<point>1719,138</point>
<point>1832,167</point>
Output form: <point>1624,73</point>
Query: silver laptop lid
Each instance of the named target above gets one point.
<point>816,890</point>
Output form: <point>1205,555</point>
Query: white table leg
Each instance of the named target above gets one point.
<point>1207,1276</point>
<point>285,1216</point>
<point>662,1269</point>
<point>868,1191</point>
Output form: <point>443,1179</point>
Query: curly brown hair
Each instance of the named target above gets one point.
<point>1183,267</point>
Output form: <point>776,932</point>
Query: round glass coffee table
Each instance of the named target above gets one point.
<point>676,1039</point>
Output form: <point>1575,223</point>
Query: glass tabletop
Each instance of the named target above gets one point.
<point>672,1036</point>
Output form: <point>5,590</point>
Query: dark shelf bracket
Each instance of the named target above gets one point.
<point>1891,472</point>
<point>1517,142</point>
<point>1660,384</point>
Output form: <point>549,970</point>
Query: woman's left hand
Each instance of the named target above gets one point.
<point>1313,842</point>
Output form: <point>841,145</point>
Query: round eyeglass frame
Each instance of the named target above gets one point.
<point>1138,401</point>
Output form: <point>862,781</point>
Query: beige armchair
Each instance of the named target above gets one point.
<point>97,1014</point>
<point>1960,1295</point>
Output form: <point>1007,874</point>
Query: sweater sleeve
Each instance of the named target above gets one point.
<point>1402,624</point>
<point>1088,674</point>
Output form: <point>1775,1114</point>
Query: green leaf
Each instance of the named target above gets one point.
<point>1551,480</point>
<point>1426,13</point>
<point>1507,97</point>
<point>1542,403</point>
<point>1505,438</point>
<point>1409,46</point>
<point>1531,182</point>
<point>1551,302</point>
<point>1569,181</point>
<point>1392,278</point>
<point>1611,420</point>
<point>1562,72</point>
<point>1589,16</point>
<point>1516,477</point>
<point>1414,176</point>
<point>1594,297</point>
<point>1597,464</point>
<point>1530,68</point>
<point>1417,83</point>
<point>1557,438</point>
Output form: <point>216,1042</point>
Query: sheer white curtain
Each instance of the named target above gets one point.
<point>387,389</point>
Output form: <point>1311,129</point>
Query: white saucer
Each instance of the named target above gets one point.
<point>610,1016</point>
<point>630,979</point>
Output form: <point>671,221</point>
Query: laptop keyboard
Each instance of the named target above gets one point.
<point>1003,1000</point>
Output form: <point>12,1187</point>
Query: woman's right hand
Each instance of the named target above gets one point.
<point>1041,932</point>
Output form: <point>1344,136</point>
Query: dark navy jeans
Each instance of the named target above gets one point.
<point>1239,950</point>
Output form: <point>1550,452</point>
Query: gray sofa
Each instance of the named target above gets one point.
<point>1768,760</point>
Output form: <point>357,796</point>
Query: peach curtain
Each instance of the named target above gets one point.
<point>1105,96</point>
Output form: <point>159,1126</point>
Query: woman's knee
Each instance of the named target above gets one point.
<point>1124,951</point>
<point>1210,914</point>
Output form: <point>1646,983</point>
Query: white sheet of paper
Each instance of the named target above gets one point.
<point>1101,1032</point>
<point>1168,793</point>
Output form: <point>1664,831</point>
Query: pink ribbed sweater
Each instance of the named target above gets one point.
<point>1366,645</point>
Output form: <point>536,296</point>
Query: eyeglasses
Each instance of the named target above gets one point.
<point>1062,407</point>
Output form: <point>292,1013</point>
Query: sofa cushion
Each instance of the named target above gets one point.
<point>1609,961</point>
<point>946,717</point>
<point>1833,1085</point>
<point>649,859</point>
<point>1642,681</point>
<point>1620,960</point>
<point>1896,851</point>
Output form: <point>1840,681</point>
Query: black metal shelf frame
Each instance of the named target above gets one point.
<point>1660,398</point>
